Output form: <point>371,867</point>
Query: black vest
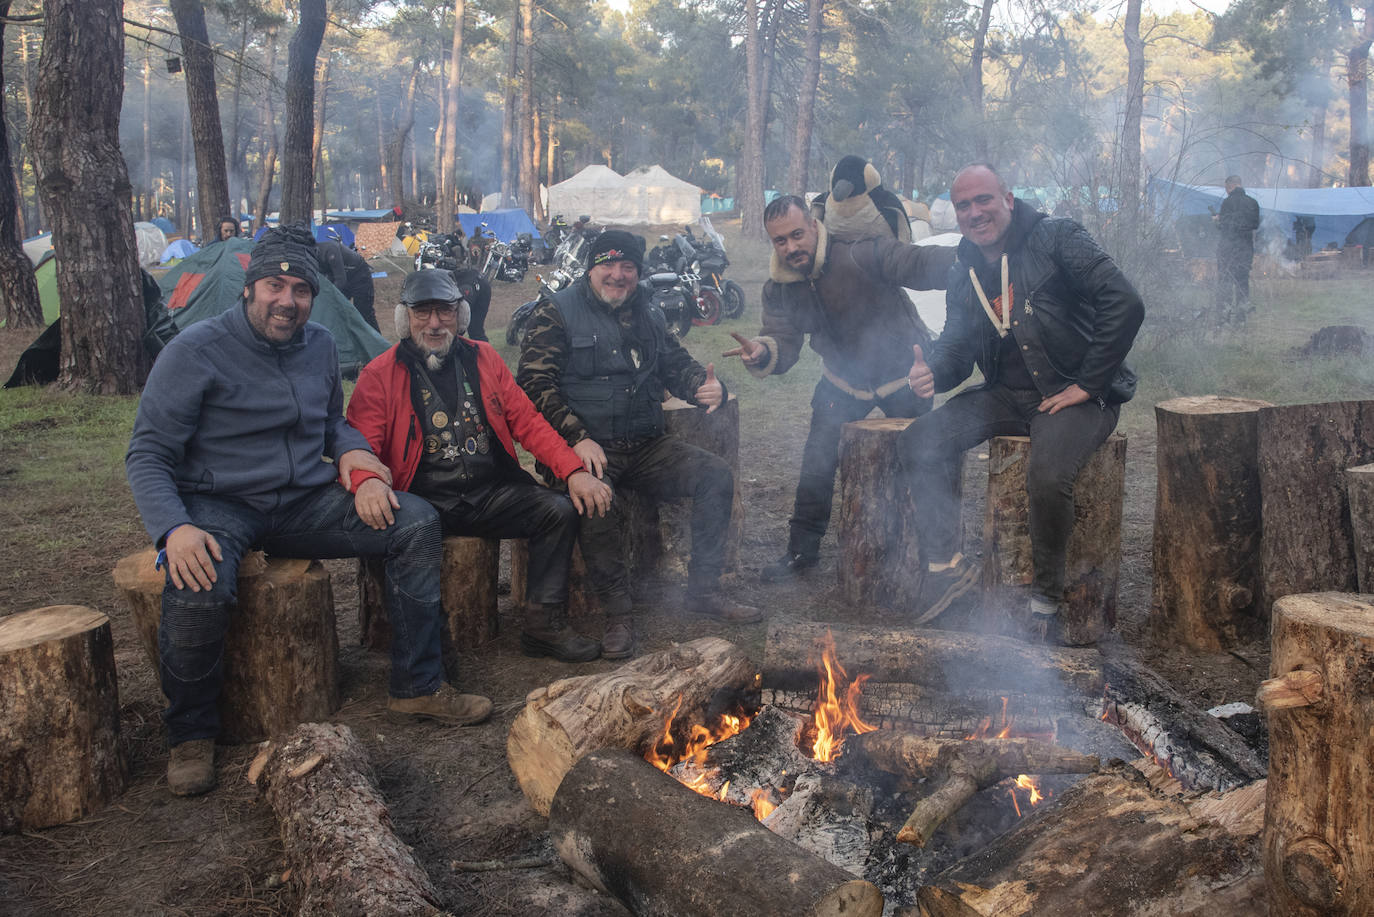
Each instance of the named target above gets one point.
<point>618,403</point>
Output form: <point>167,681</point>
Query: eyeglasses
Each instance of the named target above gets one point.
<point>425,310</point>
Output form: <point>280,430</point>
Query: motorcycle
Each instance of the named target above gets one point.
<point>711,258</point>
<point>508,261</point>
<point>668,291</point>
<point>438,250</point>
<point>558,230</point>
<point>680,257</point>
<point>558,279</point>
<point>481,240</point>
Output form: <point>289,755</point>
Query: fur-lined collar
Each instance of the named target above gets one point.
<point>779,272</point>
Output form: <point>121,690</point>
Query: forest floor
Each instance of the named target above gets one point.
<point>66,516</point>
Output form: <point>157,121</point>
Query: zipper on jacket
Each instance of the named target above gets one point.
<point>410,434</point>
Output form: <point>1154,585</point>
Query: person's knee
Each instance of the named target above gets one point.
<point>417,532</point>
<point>1049,480</point>
<point>715,480</point>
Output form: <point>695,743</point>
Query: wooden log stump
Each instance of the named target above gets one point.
<point>1304,450</point>
<point>878,525</point>
<point>1319,821</point>
<point>345,860</point>
<point>623,708</point>
<point>467,590</point>
<point>662,849</point>
<point>1359,488</point>
<point>582,602</point>
<point>281,652</point>
<point>1092,563</point>
<point>60,756</point>
<point>1207,575</point>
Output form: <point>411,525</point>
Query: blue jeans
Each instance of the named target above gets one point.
<point>322,524</point>
<point>932,451</point>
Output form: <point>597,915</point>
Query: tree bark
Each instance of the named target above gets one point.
<point>395,148</point>
<point>749,167</point>
<point>877,527</point>
<point>269,134</point>
<point>202,100</point>
<point>509,140</point>
<point>529,123</point>
<point>446,206</point>
<point>18,289</point>
<point>623,708</point>
<point>1207,576</point>
<point>85,189</point>
<point>980,37</point>
<point>317,137</point>
<point>1130,127</point>
<point>297,174</point>
<point>806,97</point>
<point>1318,823</point>
<point>345,859</point>
<point>645,839</point>
<point>60,755</point>
<point>1357,76</point>
<point>1359,482</point>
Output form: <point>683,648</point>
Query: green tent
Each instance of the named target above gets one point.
<point>207,282</point>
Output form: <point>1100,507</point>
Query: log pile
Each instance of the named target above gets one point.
<point>661,849</point>
<point>60,755</point>
<point>345,860</point>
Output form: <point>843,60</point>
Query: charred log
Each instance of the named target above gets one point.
<point>764,759</point>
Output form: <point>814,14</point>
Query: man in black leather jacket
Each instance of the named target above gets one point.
<point>1048,318</point>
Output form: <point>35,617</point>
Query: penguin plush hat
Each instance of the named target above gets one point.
<point>857,206</point>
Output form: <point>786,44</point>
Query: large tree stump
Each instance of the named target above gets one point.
<point>877,527</point>
<point>1304,450</point>
<point>281,655</point>
<point>623,708</point>
<point>661,531</point>
<point>582,602</point>
<point>1359,488</point>
<point>60,756</point>
<point>1319,820</point>
<point>1092,563</point>
<point>1207,523</point>
<point>467,591</point>
<point>1109,845</point>
<point>336,832</point>
<point>662,849</point>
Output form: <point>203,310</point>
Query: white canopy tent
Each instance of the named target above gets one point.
<point>660,197</point>
<point>597,191</point>
<point>649,196</point>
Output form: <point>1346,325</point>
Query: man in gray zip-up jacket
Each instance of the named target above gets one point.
<point>227,455</point>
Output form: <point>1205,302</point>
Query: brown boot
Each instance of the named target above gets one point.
<point>546,634</point>
<point>446,706</point>
<point>619,642</point>
<point>715,605</point>
<point>191,768</point>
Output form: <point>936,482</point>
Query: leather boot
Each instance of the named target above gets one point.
<point>191,768</point>
<point>619,642</point>
<point>714,604</point>
<point>546,633</point>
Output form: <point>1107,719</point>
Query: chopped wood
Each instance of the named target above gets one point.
<point>876,519</point>
<point>1298,688</point>
<point>623,708</point>
<point>60,753</point>
<point>1359,488</point>
<point>1207,572</point>
<point>259,762</point>
<point>660,849</point>
<point>1319,823</point>
<point>344,858</point>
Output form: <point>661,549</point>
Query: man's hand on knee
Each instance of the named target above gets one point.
<point>376,503</point>
<point>361,460</point>
<point>588,493</point>
<point>1064,399</point>
<point>191,556</point>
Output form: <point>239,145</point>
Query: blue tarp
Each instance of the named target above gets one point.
<point>504,224</point>
<point>377,215</point>
<point>163,224</point>
<point>323,233</point>
<point>1335,211</point>
<point>179,249</point>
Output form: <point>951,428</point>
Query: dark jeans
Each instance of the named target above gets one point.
<point>932,450</point>
<point>1233,278</point>
<point>507,509</point>
<point>665,468</point>
<point>322,524</point>
<point>831,409</point>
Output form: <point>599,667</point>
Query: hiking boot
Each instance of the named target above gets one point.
<point>191,768</point>
<point>941,589</point>
<point>445,706</point>
<point>1045,622</point>
<point>619,642</point>
<point>561,643</point>
<point>715,605</point>
<point>787,567</point>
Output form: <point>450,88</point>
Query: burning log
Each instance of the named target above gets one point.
<point>943,661</point>
<point>964,767</point>
<point>1110,845</point>
<point>1359,485</point>
<point>829,816</point>
<point>1319,824</point>
<point>895,705</point>
<point>622,708</point>
<point>1207,522</point>
<point>762,760</point>
<point>876,527</point>
<point>661,849</point>
<point>336,831</point>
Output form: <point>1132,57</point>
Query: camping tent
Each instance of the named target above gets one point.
<point>179,249</point>
<point>504,224</point>
<point>38,246</point>
<point>1333,211</point>
<point>164,224</point>
<point>151,244</point>
<point>598,191</point>
<point>658,197</point>
<point>492,201</point>
<point>206,283</point>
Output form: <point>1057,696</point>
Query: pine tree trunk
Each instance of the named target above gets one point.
<point>317,137</point>
<point>212,182</point>
<point>18,289</point>
<point>396,146</point>
<point>806,101</point>
<point>85,188</point>
<point>446,206</point>
<point>297,174</point>
<point>269,132</point>
<point>529,161</point>
<point>749,167</point>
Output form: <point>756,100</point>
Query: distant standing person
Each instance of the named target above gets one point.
<point>349,271</point>
<point>1236,225</point>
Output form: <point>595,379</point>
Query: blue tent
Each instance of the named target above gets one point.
<point>179,249</point>
<point>323,233</point>
<point>163,224</point>
<point>504,224</point>
<point>1334,211</point>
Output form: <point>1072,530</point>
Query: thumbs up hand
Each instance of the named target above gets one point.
<point>920,378</point>
<point>711,393</point>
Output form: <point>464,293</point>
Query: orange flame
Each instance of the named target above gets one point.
<point>1025,782</point>
<point>837,705</point>
<point>763,805</point>
<point>665,753</point>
